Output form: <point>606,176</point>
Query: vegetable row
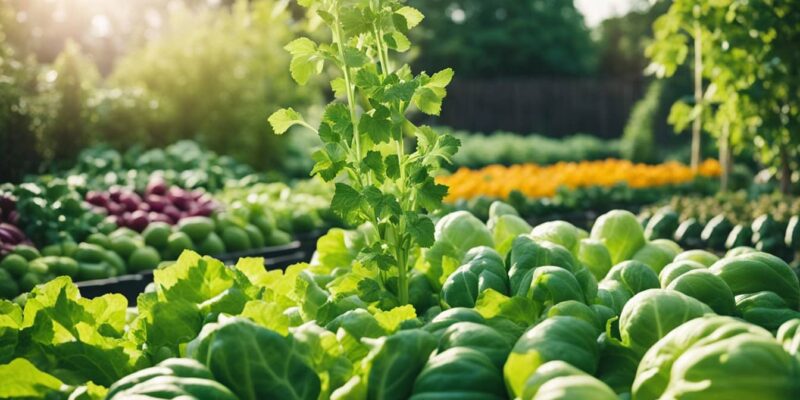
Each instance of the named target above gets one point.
<point>780,237</point>
<point>498,310</point>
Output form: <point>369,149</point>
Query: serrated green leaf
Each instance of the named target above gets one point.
<point>442,78</point>
<point>381,203</point>
<point>392,166</point>
<point>397,41</point>
<point>346,202</point>
<point>402,91</point>
<point>330,160</point>
<point>305,60</point>
<point>354,58</point>
<point>339,87</point>
<point>373,161</point>
<point>376,124</point>
<point>411,15</point>
<point>428,100</point>
<point>421,229</point>
<point>284,119</point>
<point>430,194</point>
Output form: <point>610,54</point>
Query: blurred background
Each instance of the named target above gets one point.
<point>147,73</point>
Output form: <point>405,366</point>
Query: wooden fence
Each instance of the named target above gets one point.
<point>554,107</point>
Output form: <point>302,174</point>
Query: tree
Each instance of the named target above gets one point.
<point>480,38</point>
<point>750,57</point>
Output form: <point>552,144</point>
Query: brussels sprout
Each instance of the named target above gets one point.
<point>559,338</point>
<point>651,314</point>
<point>789,336</point>
<point>613,295</point>
<point>662,225</point>
<point>526,255</point>
<point>477,337</point>
<point>765,309</point>
<point>483,269</point>
<point>594,255</point>
<point>557,380</point>
<point>620,232</point>
<point>558,232</point>
<point>395,361</point>
<point>505,228</point>
<point>572,308</point>
<point>738,251</point>
<point>445,319</point>
<point>455,234</point>
<point>656,255</point>
<point>634,275</point>
<point>701,256</point>
<point>552,285</point>
<point>676,269</point>
<point>756,272</point>
<point>654,372</point>
<point>459,373</point>
<point>744,366</point>
<point>708,288</point>
<point>618,364</point>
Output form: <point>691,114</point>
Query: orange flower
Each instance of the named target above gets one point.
<point>542,181</point>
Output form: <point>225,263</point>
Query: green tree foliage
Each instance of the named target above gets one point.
<point>480,38</point>
<point>213,76</point>
<point>750,58</point>
<point>63,109</point>
<point>623,39</point>
<point>638,140</point>
<point>17,141</point>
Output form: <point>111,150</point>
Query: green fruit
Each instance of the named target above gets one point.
<point>303,222</point>
<point>279,238</point>
<point>177,243</point>
<point>264,223</point>
<point>38,267</point>
<point>116,261</point>
<point>15,264</point>
<point>89,253</point>
<point>29,252</point>
<point>51,250</point>
<point>236,239</point>
<point>66,266</point>
<point>125,245</point>
<point>8,287</point>
<point>106,227</point>
<point>123,232</point>
<point>92,271</point>
<point>144,259</point>
<point>29,281</point>
<point>100,240</point>
<point>68,248</point>
<point>196,227</point>
<point>51,262</point>
<point>256,238</point>
<point>211,246</point>
<point>156,234</point>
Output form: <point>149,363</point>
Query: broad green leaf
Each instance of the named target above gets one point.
<point>21,379</point>
<point>284,119</point>
<point>391,320</point>
<point>411,15</point>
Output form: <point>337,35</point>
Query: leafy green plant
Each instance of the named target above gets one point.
<point>363,135</point>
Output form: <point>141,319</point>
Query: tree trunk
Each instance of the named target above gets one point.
<point>697,124</point>
<point>786,170</point>
<point>725,160</point>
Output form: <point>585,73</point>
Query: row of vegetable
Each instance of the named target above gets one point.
<point>770,223</point>
<point>82,228</point>
<point>499,310</point>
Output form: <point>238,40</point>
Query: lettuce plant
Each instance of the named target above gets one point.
<point>378,181</point>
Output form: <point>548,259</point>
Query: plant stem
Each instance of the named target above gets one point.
<point>338,39</point>
<point>697,124</point>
